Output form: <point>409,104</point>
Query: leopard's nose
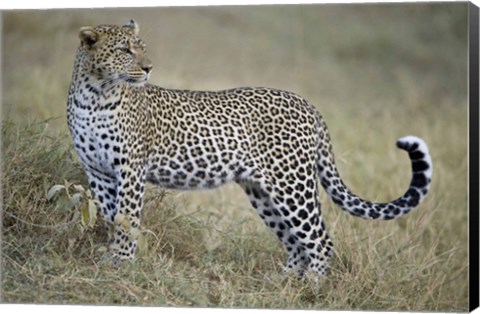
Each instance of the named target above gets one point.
<point>147,67</point>
<point>145,64</point>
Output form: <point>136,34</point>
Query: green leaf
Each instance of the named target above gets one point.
<point>79,188</point>
<point>54,190</point>
<point>85,215</point>
<point>75,216</point>
<point>92,213</point>
<point>76,199</point>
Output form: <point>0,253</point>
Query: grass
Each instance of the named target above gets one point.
<point>383,71</point>
<point>48,257</point>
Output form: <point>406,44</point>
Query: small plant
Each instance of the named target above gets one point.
<point>78,201</point>
<point>70,196</point>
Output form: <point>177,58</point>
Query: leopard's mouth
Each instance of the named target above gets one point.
<point>138,78</point>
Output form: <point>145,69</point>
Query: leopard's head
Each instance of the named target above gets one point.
<point>113,54</point>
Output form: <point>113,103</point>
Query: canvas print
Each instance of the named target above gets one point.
<point>307,156</point>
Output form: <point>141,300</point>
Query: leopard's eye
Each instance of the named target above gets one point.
<point>125,50</point>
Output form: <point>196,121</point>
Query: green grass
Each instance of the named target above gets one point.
<point>375,72</point>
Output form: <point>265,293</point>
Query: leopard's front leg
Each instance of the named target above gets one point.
<point>126,223</point>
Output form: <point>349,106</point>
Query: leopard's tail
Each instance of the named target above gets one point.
<point>341,195</point>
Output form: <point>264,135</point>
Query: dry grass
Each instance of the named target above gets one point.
<point>376,72</point>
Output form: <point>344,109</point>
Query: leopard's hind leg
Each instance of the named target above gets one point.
<point>293,213</point>
<point>271,216</point>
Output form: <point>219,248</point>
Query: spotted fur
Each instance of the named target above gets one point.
<point>273,143</point>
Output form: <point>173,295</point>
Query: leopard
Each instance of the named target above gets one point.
<point>273,143</point>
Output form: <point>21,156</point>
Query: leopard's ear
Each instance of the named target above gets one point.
<point>88,37</point>
<point>133,27</point>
